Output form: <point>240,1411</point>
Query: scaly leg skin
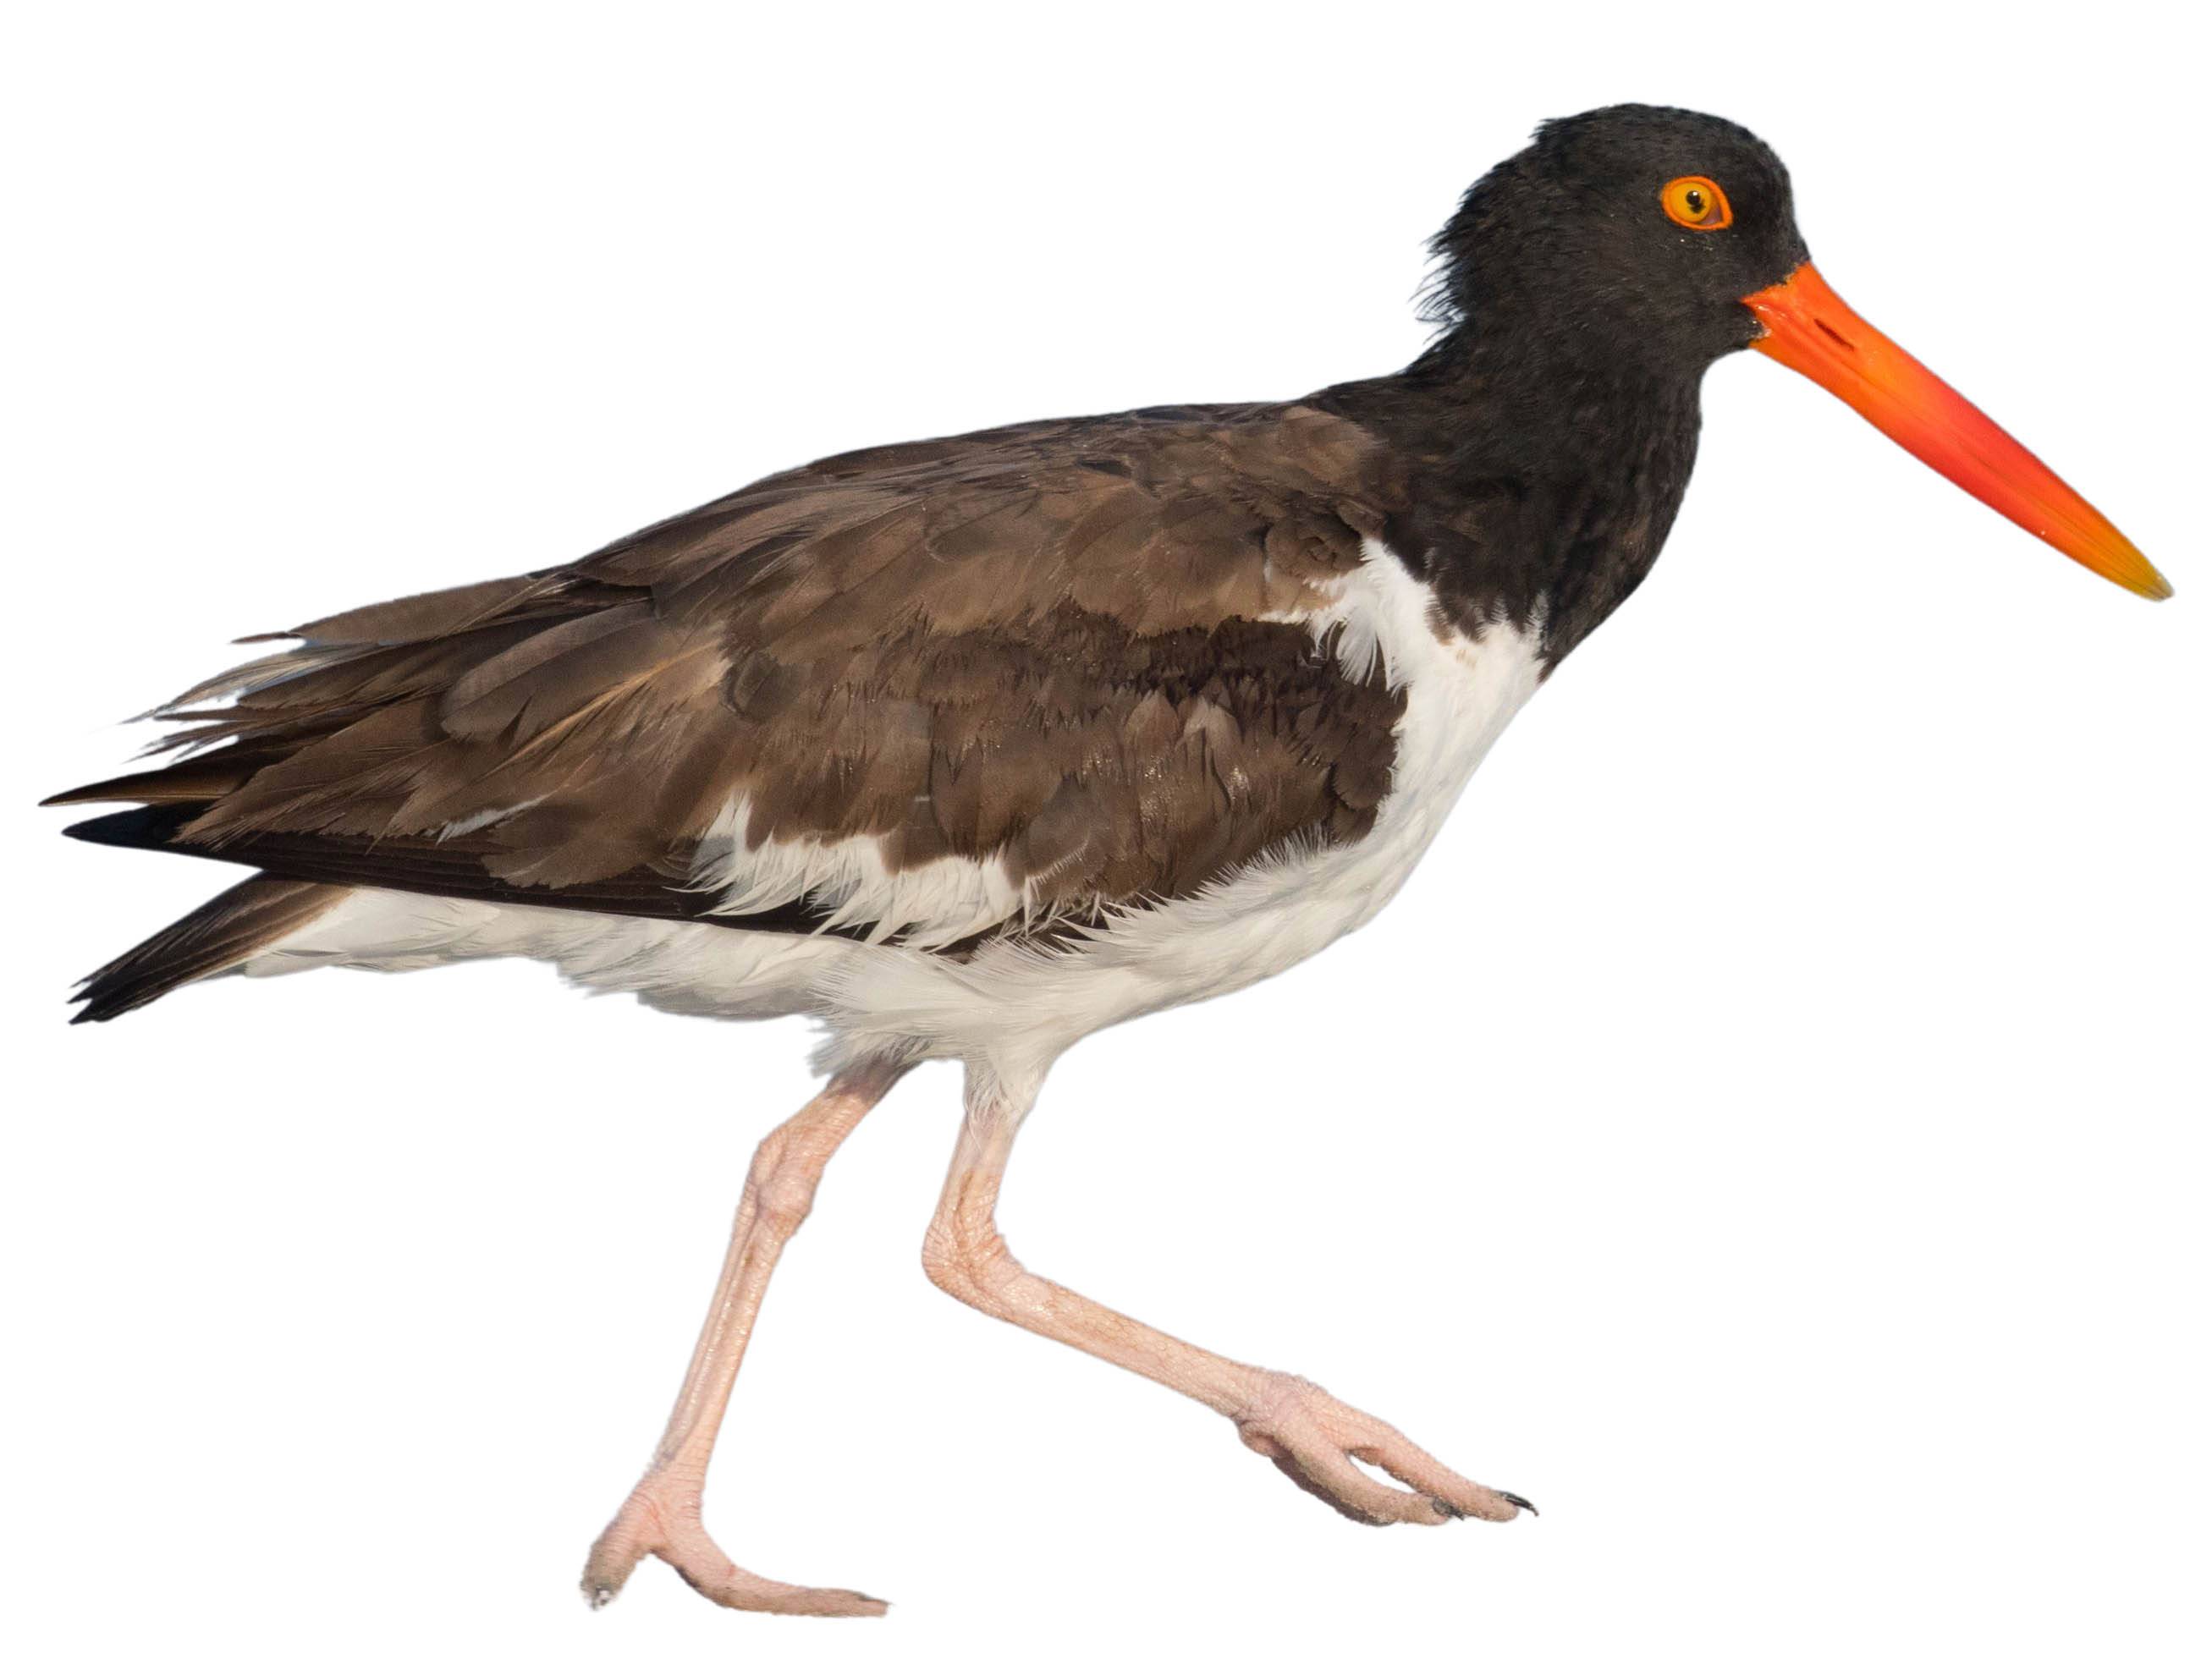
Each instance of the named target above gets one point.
<point>1307,1433</point>
<point>661,1515</point>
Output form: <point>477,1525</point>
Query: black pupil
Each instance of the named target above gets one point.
<point>1695,201</point>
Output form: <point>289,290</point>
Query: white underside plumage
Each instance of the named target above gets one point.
<point>1011,1008</point>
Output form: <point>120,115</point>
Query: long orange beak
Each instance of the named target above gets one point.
<point>1813,332</point>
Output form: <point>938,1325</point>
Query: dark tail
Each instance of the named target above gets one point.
<point>219,936</point>
<point>151,827</point>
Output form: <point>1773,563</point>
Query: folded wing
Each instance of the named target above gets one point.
<point>916,694</point>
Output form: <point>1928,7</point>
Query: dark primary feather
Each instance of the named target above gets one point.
<point>453,869</point>
<point>217,937</point>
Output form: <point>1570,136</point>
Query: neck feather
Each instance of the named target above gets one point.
<point>1530,487</point>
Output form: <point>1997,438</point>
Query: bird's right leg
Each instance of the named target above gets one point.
<point>1307,1433</point>
<point>661,1516</point>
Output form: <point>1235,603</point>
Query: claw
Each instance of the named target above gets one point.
<point>1519,1502</point>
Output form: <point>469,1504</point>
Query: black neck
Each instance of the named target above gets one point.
<point>1530,486</point>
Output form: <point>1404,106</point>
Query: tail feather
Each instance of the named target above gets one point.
<point>152,827</point>
<point>221,935</point>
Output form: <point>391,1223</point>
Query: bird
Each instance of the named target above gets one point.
<point>970,747</point>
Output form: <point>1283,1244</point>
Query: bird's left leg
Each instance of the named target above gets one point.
<point>661,1516</point>
<point>1312,1437</point>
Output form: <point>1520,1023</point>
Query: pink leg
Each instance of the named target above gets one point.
<point>661,1516</point>
<point>1307,1433</point>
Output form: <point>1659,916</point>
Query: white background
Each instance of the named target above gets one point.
<point>1768,1131</point>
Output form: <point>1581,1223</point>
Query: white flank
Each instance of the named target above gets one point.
<point>682,966</point>
<point>943,901</point>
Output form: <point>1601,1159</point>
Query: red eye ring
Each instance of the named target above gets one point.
<point>1696,202</point>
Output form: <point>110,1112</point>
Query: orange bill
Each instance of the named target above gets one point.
<point>1813,332</point>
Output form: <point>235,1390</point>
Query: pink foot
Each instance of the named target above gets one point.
<point>1312,1437</point>
<point>661,1518</point>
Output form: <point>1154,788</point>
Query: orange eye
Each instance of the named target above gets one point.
<point>1696,202</point>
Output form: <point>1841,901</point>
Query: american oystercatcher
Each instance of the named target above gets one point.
<point>970,747</point>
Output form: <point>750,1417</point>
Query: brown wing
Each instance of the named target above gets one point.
<point>1073,645</point>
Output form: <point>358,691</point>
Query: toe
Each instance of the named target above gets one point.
<point>1333,1477</point>
<point>670,1531</point>
<point>607,1571</point>
<point>1313,1437</point>
<point>801,1602</point>
<point>720,1580</point>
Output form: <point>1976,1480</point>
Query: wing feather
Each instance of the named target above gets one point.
<point>1070,653</point>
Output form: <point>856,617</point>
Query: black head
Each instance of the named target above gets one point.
<point>1578,241</point>
<point>1587,284</point>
